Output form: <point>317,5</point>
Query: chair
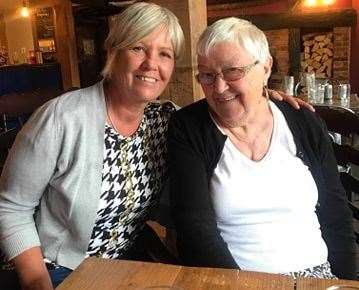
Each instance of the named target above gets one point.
<point>155,247</point>
<point>161,215</point>
<point>345,122</point>
<point>7,138</point>
<point>9,122</point>
<point>3,123</point>
<point>15,109</point>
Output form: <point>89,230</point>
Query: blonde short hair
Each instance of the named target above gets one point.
<point>135,23</point>
<point>238,31</point>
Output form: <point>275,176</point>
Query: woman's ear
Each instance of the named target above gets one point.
<point>268,68</point>
<point>110,52</point>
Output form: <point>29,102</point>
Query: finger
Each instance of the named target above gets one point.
<point>275,95</point>
<point>290,100</point>
<point>294,102</point>
<point>304,104</point>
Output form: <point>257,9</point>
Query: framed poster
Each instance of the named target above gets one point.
<point>45,29</point>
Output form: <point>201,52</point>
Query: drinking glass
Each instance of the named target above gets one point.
<point>344,91</point>
<point>328,94</point>
<point>310,84</point>
<point>319,93</point>
<point>306,86</point>
<point>344,94</point>
<point>288,85</point>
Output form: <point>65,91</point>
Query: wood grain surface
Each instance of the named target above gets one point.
<point>323,284</point>
<point>97,273</point>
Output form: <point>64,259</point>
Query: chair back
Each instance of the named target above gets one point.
<point>346,123</point>
<point>7,138</point>
<point>339,119</point>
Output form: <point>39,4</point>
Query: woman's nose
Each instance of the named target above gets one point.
<point>220,85</point>
<point>149,62</point>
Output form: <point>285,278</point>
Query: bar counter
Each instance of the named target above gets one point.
<point>28,77</point>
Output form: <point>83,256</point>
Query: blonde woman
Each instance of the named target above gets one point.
<point>93,159</point>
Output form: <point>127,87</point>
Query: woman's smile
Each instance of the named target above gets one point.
<point>224,99</point>
<point>146,79</point>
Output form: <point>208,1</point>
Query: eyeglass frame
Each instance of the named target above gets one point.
<point>245,69</point>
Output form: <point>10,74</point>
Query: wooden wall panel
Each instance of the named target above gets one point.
<point>3,40</point>
<point>192,15</point>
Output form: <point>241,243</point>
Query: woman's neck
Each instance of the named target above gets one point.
<point>123,115</point>
<point>254,137</point>
<point>258,124</point>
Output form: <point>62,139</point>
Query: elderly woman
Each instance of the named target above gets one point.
<point>93,159</point>
<point>226,153</point>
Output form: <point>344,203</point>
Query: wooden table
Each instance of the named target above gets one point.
<point>101,274</point>
<point>323,284</point>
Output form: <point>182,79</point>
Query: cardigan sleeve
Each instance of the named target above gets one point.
<point>334,213</point>
<point>199,241</point>
<point>25,177</point>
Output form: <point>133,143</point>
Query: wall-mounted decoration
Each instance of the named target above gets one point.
<point>45,29</point>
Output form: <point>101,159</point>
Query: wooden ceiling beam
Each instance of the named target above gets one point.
<point>345,17</point>
<point>242,3</point>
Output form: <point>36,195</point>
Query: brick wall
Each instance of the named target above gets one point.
<point>341,58</point>
<point>279,46</point>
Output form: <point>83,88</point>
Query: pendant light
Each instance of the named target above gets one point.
<point>24,11</point>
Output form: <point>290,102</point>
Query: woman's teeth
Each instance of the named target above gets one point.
<point>147,79</point>
<point>225,99</point>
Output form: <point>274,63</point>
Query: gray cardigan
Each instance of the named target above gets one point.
<point>56,160</point>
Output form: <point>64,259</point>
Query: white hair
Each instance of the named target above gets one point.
<point>238,31</point>
<point>135,23</point>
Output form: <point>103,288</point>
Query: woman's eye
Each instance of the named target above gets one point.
<point>138,48</point>
<point>207,75</point>
<point>232,69</point>
<point>166,54</point>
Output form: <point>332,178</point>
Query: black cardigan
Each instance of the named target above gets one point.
<point>195,145</point>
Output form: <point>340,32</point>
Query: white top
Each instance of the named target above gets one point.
<point>265,210</point>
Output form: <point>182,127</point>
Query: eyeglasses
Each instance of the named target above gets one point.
<point>228,75</point>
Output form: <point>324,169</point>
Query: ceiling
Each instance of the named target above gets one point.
<point>9,4</point>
